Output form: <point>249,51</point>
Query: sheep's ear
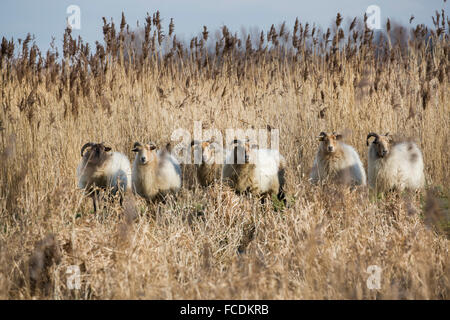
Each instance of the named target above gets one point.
<point>338,136</point>
<point>107,149</point>
<point>151,146</point>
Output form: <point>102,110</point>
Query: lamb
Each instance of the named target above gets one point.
<point>155,173</point>
<point>394,165</point>
<point>337,162</point>
<point>101,168</point>
<point>210,168</point>
<point>259,171</point>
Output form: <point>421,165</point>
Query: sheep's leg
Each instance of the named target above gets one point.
<point>94,201</point>
<point>281,196</point>
<point>151,208</point>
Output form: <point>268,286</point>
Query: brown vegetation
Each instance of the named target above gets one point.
<point>210,243</point>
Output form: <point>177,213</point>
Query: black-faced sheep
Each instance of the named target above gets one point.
<point>259,171</point>
<point>99,167</point>
<point>337,161</point>
<point>155,173</point>
<point>394,165</point>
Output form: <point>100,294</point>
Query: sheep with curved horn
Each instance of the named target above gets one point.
<point>101,168</point>
<point>259,171</point>
<point>394,164</point>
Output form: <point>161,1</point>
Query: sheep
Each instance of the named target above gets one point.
<point>210,168</point>
<point>258,171</point>
<point>154,173</point>
<point>337,161</point>
<point>99,167</point>
<point>394,165</point>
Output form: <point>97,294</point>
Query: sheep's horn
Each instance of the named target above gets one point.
<point>136,146</point>
<point>321,135</point>
<point>106,148</point>
<point>372,134</point>
<point>152,145</point>
<point>89,144</point>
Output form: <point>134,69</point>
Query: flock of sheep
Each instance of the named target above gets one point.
<point>392,165</point>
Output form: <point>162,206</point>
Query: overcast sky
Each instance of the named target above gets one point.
<point>47,18</point>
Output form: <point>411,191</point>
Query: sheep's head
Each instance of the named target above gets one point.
<point>95,153</point>
<point>209,150</point>
<point>242,151</point>
<point>145,153</point>
<point>329,142</point>
<point>381,143</point>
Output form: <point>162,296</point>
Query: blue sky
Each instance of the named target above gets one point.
<point>47,18</point>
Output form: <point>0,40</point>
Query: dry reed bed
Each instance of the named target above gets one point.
<point>317,248</point>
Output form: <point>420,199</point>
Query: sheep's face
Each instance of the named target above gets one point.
<point>209,152</point>
<point>329,142</point>
<point>96,153</point>
<point>144,153</point>
<point>381,145</point>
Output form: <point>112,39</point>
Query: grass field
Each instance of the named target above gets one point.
<point>300,81</point>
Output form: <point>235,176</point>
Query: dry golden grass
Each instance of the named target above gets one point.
<point>319,247</point>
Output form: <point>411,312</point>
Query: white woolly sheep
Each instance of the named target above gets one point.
<point>154,173</point>
<point>212,159</point>
<point>104,169</point>
<point>259,171</point>
<point>336,161</point>
<point>394,165</point>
